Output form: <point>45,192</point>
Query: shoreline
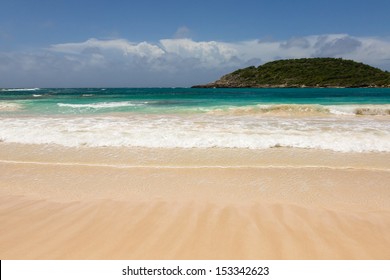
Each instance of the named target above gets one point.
<point>282,86</point>
<point>94,203</point>
<point>190,157</point>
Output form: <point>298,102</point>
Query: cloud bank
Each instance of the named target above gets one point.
<point>171,62</point>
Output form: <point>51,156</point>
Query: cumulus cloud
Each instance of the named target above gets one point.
<point>119,46</point>
<point>336,47</point>
<point>182,33</point>
<point>207,54</point>
<point>302,43</point>
<point>172,62</point>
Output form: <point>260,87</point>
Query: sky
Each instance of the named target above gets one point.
<point>172,43</point>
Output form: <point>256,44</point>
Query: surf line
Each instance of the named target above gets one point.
<point>127,166</point>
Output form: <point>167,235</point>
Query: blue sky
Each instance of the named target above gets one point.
<point>48,43</point>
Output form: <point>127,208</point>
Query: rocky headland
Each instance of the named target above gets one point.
<point>305,72</point>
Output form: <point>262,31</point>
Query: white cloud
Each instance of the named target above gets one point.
<point>182,33</point>
<point>215,54</point>
<point>208,54</point>
<point>172,62</point>
<point>121,46</point>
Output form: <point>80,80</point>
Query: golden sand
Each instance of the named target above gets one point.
<point>106,203</point>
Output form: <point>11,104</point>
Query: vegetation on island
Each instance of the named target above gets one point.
<point>305,72</point>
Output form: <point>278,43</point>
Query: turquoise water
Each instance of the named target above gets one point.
<point>342,120</point>
<point>166,100</point>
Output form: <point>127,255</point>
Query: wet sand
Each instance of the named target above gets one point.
<point>113,203</point>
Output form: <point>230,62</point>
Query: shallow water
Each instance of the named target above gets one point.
<point>344,120</point>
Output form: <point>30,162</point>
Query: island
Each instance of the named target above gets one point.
<point>304,72</point>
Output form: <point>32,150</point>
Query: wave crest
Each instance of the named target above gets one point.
<point>305,109</point>
<point>372,111</point>
<point>275,109</point>
<point>101,105</point>
<point>20,89</point>
<point>361,110</point>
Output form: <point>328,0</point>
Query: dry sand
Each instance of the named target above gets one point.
<point>107,203</point>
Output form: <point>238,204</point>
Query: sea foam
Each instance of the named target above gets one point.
<point>101,105</point>
<point>20,89</point>
<point>304,109</point>
<point>360,109</point>
<point>202,131</point>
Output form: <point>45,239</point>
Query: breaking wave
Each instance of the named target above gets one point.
<point>360,110</point>
<point>305,109</point>
<point>102,105</point>
<point>202,131</point>
<point>20,89</point>
<point>277,109</point>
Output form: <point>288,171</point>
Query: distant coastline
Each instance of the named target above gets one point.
<point>305,72</point>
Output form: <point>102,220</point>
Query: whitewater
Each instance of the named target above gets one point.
<point>342,120</point>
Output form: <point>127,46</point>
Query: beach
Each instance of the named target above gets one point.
<point>214,203</point>
<point>162,173</point>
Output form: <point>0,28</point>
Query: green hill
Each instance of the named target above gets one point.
<point>305,72</point>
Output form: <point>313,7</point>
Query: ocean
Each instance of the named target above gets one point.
<point>337,119</point>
